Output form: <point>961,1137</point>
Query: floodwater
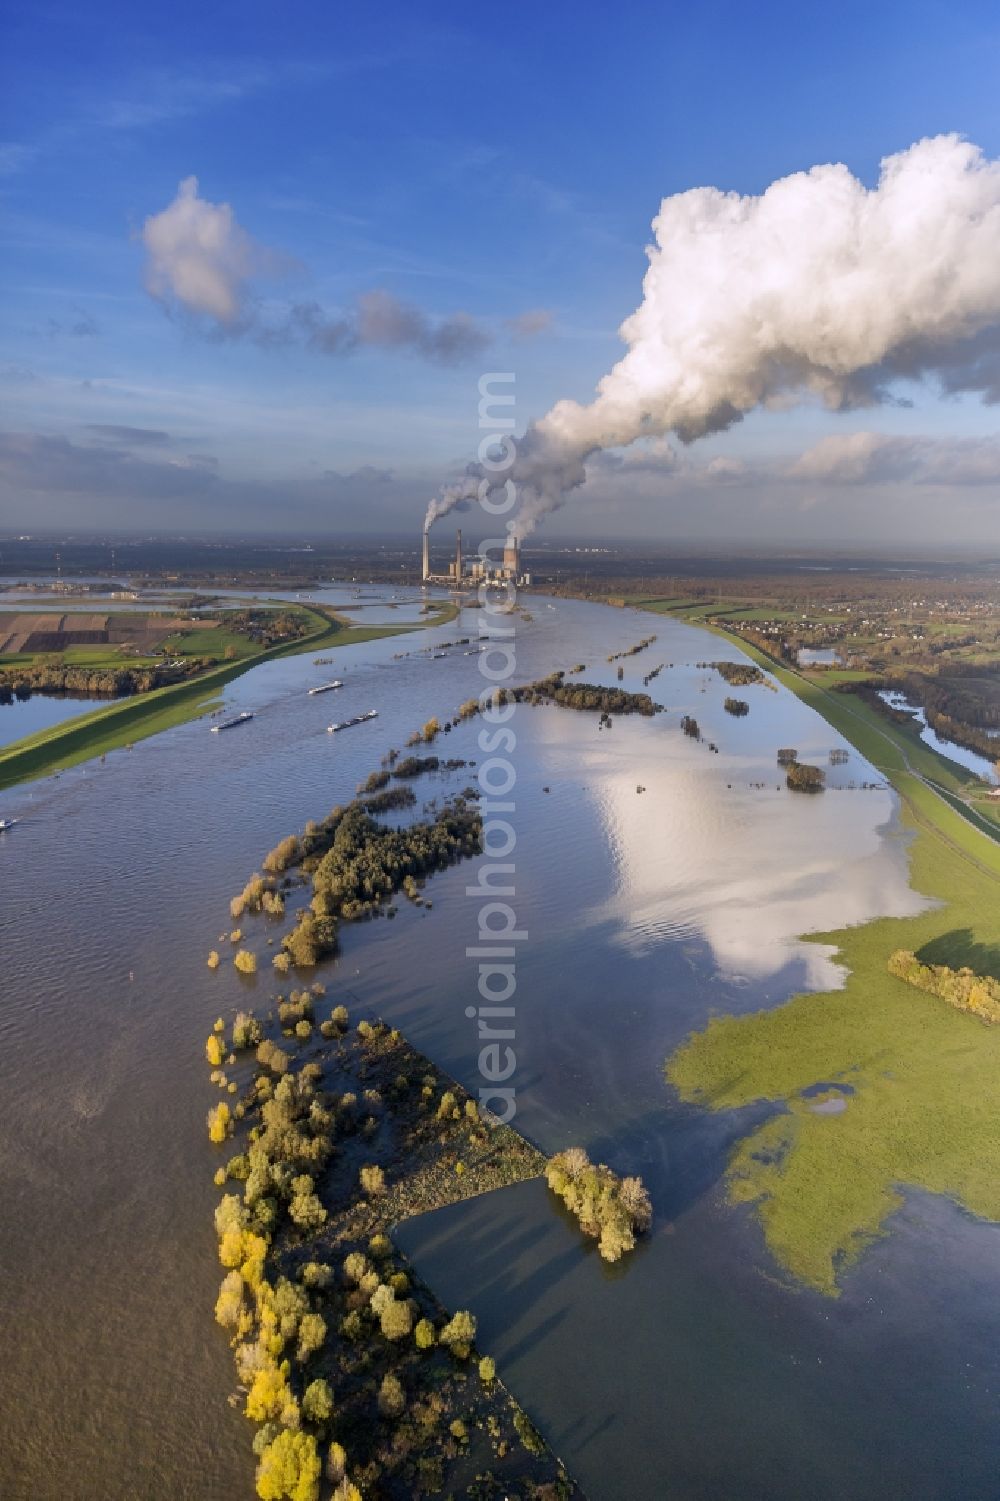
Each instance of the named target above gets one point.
<point>816,656</point>
<point>693,1370</point>
<point>970,759</point>
<point>40,712</point>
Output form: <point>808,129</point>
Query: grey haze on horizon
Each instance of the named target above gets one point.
<point>865,487</point>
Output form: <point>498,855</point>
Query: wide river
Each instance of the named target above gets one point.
<point>692,1370</point>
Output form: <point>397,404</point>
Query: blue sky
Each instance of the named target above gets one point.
<point>493,164</point>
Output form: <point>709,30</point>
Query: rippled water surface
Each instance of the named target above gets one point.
<point>693,1371</point>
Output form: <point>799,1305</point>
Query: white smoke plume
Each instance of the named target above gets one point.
<point>454,497</point>
<point>818,287</point>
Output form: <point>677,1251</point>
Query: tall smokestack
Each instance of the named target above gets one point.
<point>426,572</point>
<point>458,553</point>
<point>510,556</point>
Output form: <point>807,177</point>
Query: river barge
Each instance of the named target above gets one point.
<point>345,724</point>
<point>229,724</point>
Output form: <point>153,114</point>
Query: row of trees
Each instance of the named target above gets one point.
<point>415,766</point>
<point>93,682</point>
<point>961,988</point>
<point>632,651</point>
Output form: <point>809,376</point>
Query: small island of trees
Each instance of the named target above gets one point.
<point>612,1210</point>
<point>801,777</point>
<point>583,696</point>
<point>738,674</point>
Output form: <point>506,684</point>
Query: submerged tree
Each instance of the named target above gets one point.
<point>804,778</point>
<point>610,1209</point>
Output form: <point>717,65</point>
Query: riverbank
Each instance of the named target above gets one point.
<point>123,722</point>
<point>915,1085</point>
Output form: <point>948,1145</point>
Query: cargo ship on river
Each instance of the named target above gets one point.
<point>345,724</point>
<point>228,724</point>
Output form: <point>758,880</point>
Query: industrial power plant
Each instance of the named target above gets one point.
<point>467,573</point>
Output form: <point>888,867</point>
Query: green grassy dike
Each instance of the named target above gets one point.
<point>125,721</point>
<point>916,1083</point>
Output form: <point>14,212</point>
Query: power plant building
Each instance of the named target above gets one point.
<point>460,572</point>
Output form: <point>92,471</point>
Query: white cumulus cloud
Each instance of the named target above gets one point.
<point>199,256</point>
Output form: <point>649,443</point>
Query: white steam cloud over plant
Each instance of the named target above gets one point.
<point>818,287</point>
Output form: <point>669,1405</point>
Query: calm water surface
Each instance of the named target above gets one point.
<point>40,712</point>
<point>970,759</point>
<point>691,1372</point>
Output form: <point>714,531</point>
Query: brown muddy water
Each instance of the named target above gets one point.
<point>693,1371</point>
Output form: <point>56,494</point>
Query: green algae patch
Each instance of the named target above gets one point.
<point>919,1081</point>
